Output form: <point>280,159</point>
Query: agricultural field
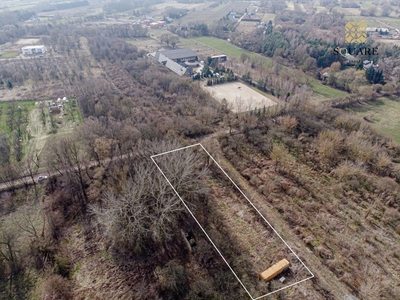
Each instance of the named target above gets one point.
<point>240,98</point>
<point>384,115</point>
<point>210,15</point>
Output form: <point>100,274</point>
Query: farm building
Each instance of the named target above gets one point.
<point>178,55</point>
<point>54,110</point>
<point>177,60</point>
<point>31,50</point>
<point>275,270</point>
<point>221,57</point>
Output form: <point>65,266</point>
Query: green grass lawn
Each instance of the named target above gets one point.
<point>268,16</point>
<point>326,90</point>
<point>30,105</point>
<point>227,48</point>
<point>10,54</point>
<point>219,7</point>
<point>370,22</point>
<point>385,115</point>
<point>390,21</point>
<point>367,5</point>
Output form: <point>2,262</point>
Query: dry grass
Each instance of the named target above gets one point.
<point>240,97</point>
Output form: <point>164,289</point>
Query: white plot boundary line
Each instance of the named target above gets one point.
<point>216,248</point>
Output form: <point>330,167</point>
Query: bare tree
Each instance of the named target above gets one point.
<point>68,157</point>
<point>9,252</point>
<point>146,208</point>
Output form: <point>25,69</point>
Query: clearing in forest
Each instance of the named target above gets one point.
<point>240,234</point>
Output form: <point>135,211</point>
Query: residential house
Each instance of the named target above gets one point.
<point>34,50</point>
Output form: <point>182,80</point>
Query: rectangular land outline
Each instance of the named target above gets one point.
<point>216,248</point>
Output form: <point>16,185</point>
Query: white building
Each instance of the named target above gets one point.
<point>30,50</point>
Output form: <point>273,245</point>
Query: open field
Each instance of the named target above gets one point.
<point>375,21</point>
<point>27,41</point>
<point>326,90</point>
<point>267,17</point>
<point>395,22</point>
<point>385,113</point>
<point>240,97</point>
<point>219,7</point>
<point>229,49</point>
<point>188,6</point>
<point>208,15</point>
<point>389,41</point>
<point>29,105</point>
<point>14,5</point>
<point>370,21</point>
<point>246,27</point>
<point>9,54</point>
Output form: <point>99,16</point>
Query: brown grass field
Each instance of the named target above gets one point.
<point>239,96</point>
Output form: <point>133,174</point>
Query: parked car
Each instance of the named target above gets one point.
<point>41,178</point>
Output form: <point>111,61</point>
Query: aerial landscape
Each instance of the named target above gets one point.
<point>200,149</point>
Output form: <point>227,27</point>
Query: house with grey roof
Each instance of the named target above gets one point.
<point>180,55</point>
<point>174,59</point>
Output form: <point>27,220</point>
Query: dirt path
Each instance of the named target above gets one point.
<point>323,277</point>
<point>37,131</point>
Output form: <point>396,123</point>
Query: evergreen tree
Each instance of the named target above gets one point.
<point>359,65</point>
<point>269,28</point>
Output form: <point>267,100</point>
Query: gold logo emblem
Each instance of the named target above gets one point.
<point>356,32</point>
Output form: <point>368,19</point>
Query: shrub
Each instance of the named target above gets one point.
<point>359,147</point>
<point>280,155</point>
<point>173,280</point>
<point>382,162</point>
<point>288,122</point>
<point>348,170</point>
<point>347,123</point>
<point>329,144</point>
<point>55,287</point>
